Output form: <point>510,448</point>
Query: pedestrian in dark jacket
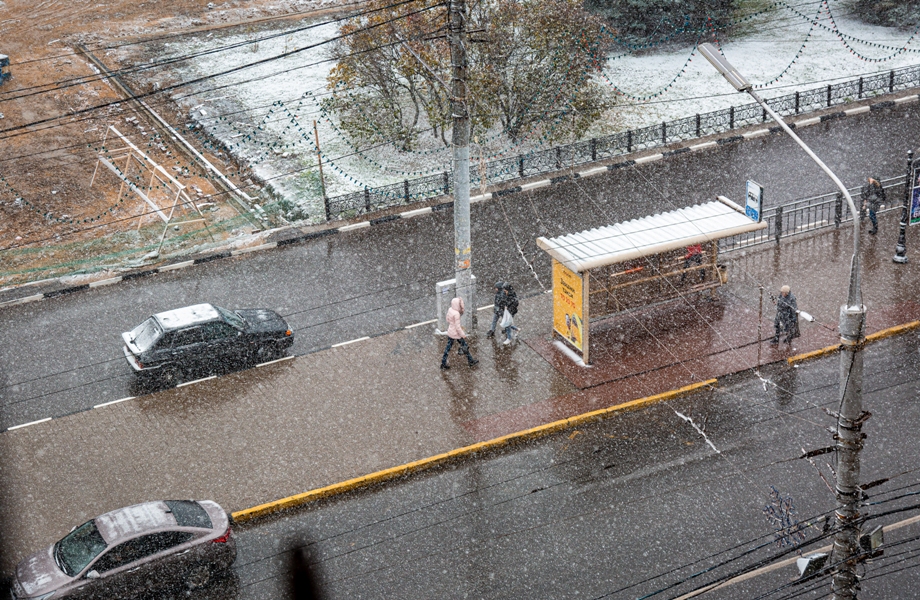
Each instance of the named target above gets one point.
<point>455,333</point>
<point>873,195</point>
<point>511,303</point>
<point>787,317</point>
<point>498,308</point>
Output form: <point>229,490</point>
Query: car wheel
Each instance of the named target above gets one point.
<point>269,352</point>
<point>198,577</point>
<point>168,376</point>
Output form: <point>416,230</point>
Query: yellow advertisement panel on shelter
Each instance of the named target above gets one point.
<point>568,305</point>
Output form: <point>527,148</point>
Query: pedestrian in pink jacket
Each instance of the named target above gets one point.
<point>455,333</point>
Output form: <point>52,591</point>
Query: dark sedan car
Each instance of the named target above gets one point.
<point>204,337</point>
<point>132,551</point>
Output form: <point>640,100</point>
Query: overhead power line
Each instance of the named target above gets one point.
<point>25,126</point>
<point>66,83</point>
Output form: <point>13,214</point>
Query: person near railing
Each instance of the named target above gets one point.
<point>873,196</point>
<point>693,256</point>
<point>787,317</point>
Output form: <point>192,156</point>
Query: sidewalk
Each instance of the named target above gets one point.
<point>290,427</point>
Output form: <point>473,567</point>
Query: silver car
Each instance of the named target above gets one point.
<point>131,551</point>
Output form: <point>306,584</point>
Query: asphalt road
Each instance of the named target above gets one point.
<point>635,505</point>
<point>63,355</point>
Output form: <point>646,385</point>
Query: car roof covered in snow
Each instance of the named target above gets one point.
<point>654,234</point>
<point>131,521</point>
<point>190,315</point>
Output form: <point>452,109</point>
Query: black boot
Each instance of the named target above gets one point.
<point>444,366</point>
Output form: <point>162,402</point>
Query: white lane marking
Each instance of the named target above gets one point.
<point>856,111</point>
<point>277,360</point>
<point>754,134</point>
<point>906,99</point>
<point>360,225</point>
<point>486,196</point>
<point>651,158</point>
<point>361,339</point>
<point>196,381</point>
<point>414,213</point>
<point>254,249</point>
<point>534,185</point>
<point>807,122</point>
<point>113,402</point>
<point>179,265</point>
<point>703,145</point>
<point>27,424</point>
<point>32,298</point>
<point>594,171</point>
<point>422,323</point>
<point>103,282</point>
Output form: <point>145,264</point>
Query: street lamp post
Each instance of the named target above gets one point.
<point>900,254</point>
<point>849,437</point>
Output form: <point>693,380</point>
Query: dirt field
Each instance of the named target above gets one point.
<point>52,221</point>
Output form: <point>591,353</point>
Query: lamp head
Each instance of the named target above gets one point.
<point>729,72</point>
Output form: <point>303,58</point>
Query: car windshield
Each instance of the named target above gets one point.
<point>78,548</point>
<point>146,334</point>
<point>189,514</point>
<point>232,318</point>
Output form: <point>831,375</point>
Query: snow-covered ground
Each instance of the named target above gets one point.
<point>265,113</point>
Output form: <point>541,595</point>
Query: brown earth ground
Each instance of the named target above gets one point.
<point>52,221</point>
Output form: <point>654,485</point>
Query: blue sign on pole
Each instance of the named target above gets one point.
<point>754,202</point>
<point>914,212</point>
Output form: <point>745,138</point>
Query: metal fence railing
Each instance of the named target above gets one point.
<point>810,214</point>
<point>587,151</point>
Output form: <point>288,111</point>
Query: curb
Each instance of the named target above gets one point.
<point>588,171</point>
<point>263,510</point>
<point>878,335</point>
<point>269,508</point>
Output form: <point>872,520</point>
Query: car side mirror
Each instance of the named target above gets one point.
<point>93,574</point>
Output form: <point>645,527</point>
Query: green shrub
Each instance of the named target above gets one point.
<point>891,13</point>
<point>647,21</point>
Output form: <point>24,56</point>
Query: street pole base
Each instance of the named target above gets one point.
<point>899,259</point>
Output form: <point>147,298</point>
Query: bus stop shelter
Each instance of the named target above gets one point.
<point>619,267</point>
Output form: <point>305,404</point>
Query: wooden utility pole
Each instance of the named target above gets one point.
<point>322,181</point>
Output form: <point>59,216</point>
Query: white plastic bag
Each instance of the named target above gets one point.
<point>507,320</point>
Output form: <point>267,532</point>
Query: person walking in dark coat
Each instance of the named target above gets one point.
<point>873,195</point>
<point>455,333</point>
<point>787,317</point>
<point>499,306</point>
<point>511,303</point>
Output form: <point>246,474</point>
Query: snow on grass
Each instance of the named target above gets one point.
<point>241,108</point>
<point>763,55</point>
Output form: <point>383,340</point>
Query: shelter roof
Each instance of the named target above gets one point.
<point>645,236</point>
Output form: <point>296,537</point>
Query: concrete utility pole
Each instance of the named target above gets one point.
<point>900,254</point>
<point>849,436</point>
<point>461,159</point>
